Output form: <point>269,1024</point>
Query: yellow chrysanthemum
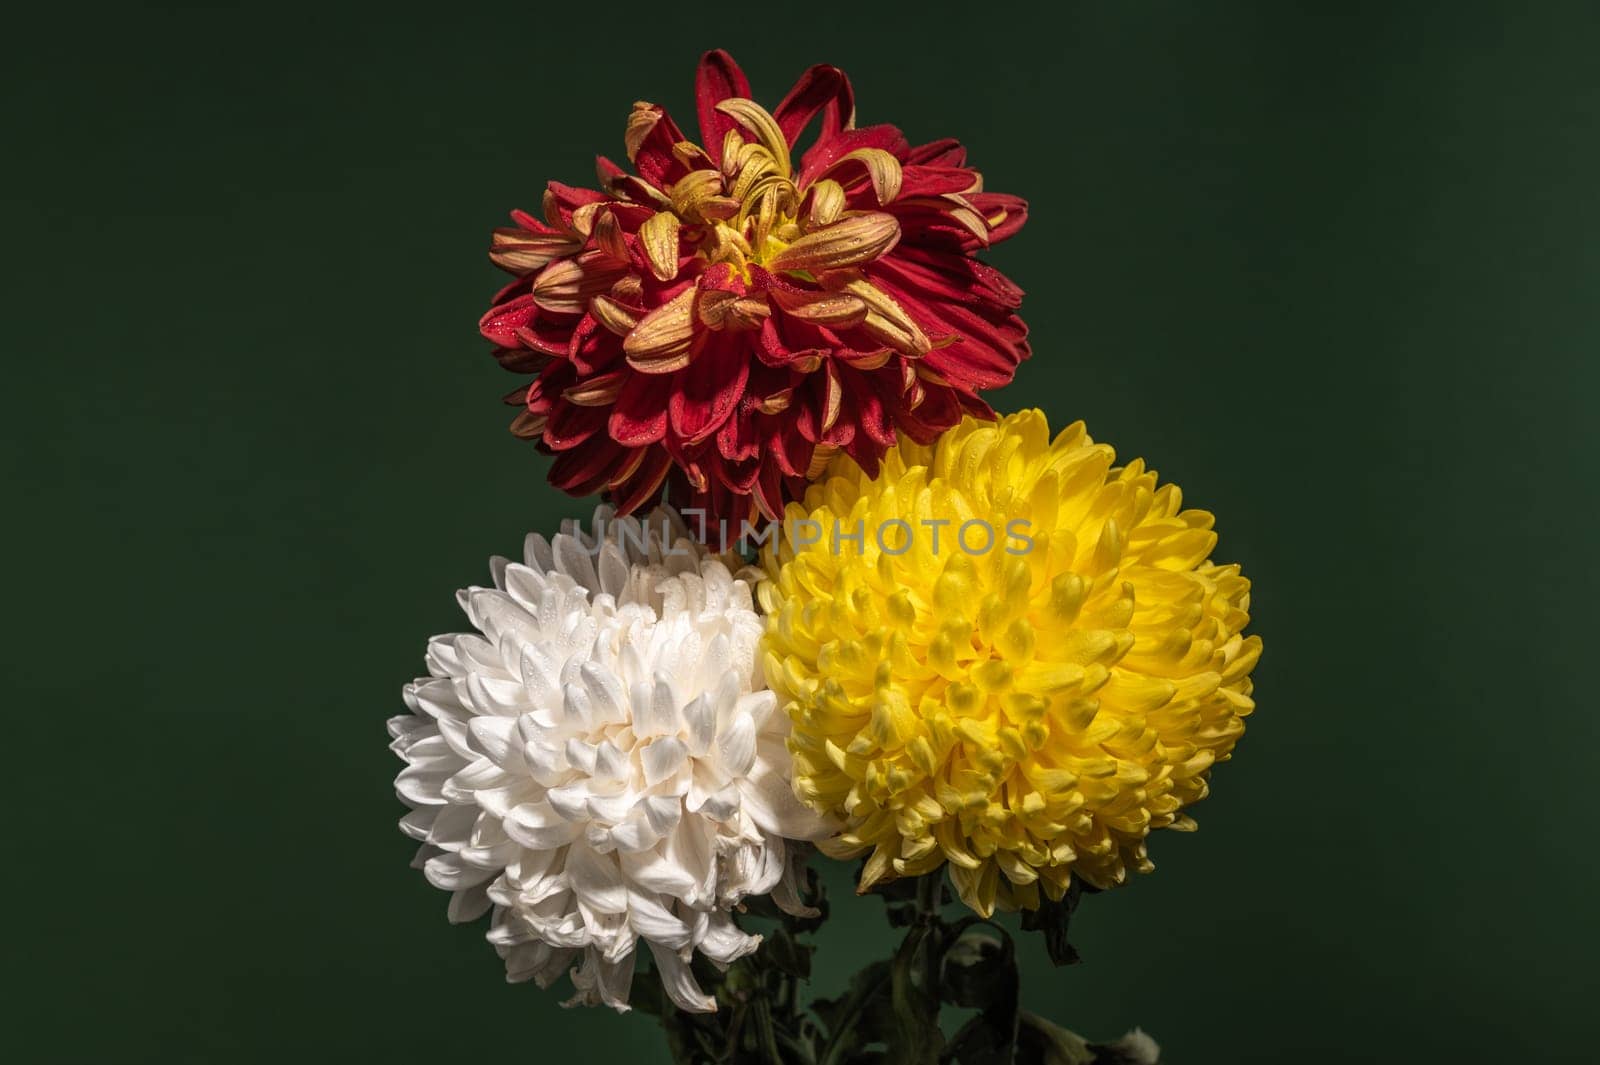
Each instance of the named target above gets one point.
<point>1006,653</point>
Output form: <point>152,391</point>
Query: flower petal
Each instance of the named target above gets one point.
<point>716,79</point>
<point>855,239</point>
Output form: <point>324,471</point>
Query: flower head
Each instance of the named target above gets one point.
<point>1024,691</point>
<point>600,761</point>
<point>725,315</point>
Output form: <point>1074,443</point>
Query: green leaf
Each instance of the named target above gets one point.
<point>784,952</point>
<point>1053,918</point>
<point>980,971</point>
<point>914,993</point>
<point>857,1018</point>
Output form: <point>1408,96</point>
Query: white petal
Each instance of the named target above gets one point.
<point>610,809</point>
<point>723,943</point>
<point>760,706</point>
<point>737,744</point>
<point>654,871</point>
<point>539,827</point>
<point>571,801</point>
<point>600,981</point>
<point>679,982</point>
<point>491,695</point>
<point>422,786</point>
<point>469,778</point>
<point>452,827</point>
<point>536,552</point>
<point>722,805</point>
<point>635,833</point>
<point>609,763</point>
<point>580,756</point>
<point>608,701</point>
<point>449,872</point>
<point>664,757</point>
<point>649,917</point>
<point>613,570</point>
<point>655,708</point>
<point>495,737</point>
<point>574,561</point>
<point>416,823</point>
<point>597,879</point>
<point>469,905</point>
<point>769,799</point>
<point>663,812</point>
<point>546,762</point>
<point>786,892</point>
<point>690,849</point>
<point>700,725</point>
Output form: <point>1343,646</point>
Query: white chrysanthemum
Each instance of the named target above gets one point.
<point>604,763</point>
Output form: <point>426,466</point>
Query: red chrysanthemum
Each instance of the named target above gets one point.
<point>724,321</point>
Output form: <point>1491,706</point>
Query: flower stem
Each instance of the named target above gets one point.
<point>930,894</point>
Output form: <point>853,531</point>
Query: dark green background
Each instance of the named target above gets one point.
<point>1332,268</point>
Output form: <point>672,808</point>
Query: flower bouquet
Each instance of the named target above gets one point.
<point>831,607</point>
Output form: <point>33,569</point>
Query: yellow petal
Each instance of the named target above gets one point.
<point>883,170</point>
<point>641,120</point>
<point>857,239</point>
<point>567,285</point>
<point>613,315</point>
<point>659,236</point>
<point>753,117</point>
<point>822,308</point>
<point>825,201</point>
<point>522,252</point>
<point>662,340</point>
<point>887,322</point>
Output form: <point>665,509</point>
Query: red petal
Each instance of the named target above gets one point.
<point>545,392</point>
<point>949,277</point>
<point>568,198</point>
<point>739,476</point>
<point>500,324</point>
<point>944,152</point>
<point>570,425</point>
<point>829,151</point>
<point>774,349</point>
<point>654,160</point>
<point>549,334</point>
<point>871,413</point>
<point>821,88</point>
<point>594,349</point>
<point>937,412</point>
<point>790,451</point>
<point>640,416</point>
<point>935,180</point>
<point>706,393</point>
<point>532,224</point>
<point>717,79</point>
<point>520,360</point>
<point>644,484</point>
<point>724,278</point>
<point>988,346</point>
<point>990,204</point>
<point>737,440</point>
<point>768,494</point>
<point>585,470</point>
